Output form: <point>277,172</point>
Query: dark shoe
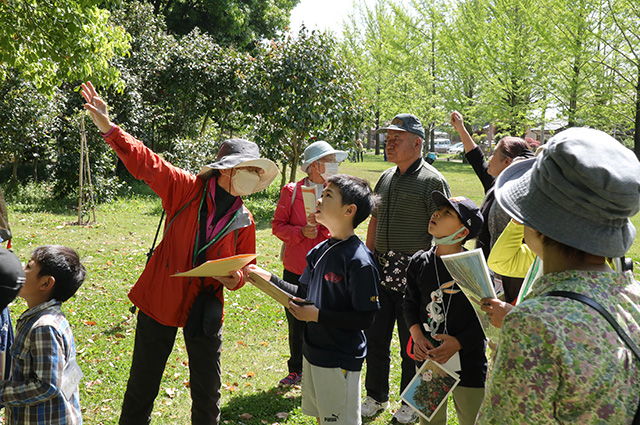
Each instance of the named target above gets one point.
<point>291,379</point>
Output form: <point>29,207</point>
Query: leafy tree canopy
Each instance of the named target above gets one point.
<point>229,22</point>
<point>52,41</point>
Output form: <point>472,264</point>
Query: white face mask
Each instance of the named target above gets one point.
<point>330,169</point>
<point>245,182</point>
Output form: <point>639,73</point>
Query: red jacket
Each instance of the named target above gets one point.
<point>287,225</point>
<point>164,298</point>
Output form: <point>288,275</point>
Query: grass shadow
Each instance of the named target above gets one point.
<point>262,406</point>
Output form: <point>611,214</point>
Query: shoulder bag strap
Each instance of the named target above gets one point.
<point>596,306</point>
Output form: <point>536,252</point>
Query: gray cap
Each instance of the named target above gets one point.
<point>580,190</point>
<point>406,122</point>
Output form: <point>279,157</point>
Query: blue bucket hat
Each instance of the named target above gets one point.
<point>580,190</point>
<point>318,150</point>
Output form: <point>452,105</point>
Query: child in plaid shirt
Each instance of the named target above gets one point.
<point>44,385</point>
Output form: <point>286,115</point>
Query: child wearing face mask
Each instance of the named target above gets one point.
<point>443,324</point>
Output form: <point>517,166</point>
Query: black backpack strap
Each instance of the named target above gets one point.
<point>596,306</point>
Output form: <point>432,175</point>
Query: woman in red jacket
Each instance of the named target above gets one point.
<point>206,220</point>
<point>300,232</point>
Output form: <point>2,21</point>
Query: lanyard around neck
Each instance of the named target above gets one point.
<point>203,222</point>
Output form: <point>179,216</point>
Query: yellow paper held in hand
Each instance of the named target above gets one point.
<point>220,267</point>
<point>271,290</point>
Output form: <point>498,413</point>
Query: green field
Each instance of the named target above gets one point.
<point>255,331</point>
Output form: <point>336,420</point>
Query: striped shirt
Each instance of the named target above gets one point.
<point>406,207</point>
<point>43,346</point>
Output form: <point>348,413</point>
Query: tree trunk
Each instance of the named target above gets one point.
<point>35,170</point>
<point>283,175</point>
<point>14,171</point>
<point>205,124</point>
<point>295,157</point>
<point>636,134</point>
<point>375,133</point>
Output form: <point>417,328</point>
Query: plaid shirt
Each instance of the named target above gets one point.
<point>42,348</point>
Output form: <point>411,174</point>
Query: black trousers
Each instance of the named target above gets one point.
<point>379,342</point>
<point>153,345</point>
<point>296,329</point>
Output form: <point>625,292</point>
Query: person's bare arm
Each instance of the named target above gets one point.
<point>458,124</point>
<point>371,233</point>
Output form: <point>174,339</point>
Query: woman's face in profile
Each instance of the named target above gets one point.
<point>498,161</point>
<point>533,239</point>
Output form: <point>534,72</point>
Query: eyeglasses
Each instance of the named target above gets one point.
<point>259,171</point>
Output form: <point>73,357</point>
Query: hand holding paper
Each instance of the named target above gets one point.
<point>310,231</point>
<point>495,310</point>
<point>305,313</point>
<point>231,280</point>
<point>450,346</point>
<point>421,346</point>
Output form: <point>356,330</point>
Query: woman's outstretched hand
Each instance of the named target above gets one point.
<point>96,107</point>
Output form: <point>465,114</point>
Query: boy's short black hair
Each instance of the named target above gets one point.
<point>63,263</point>
<point>357,191</point>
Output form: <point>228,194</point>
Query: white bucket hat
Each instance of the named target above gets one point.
<point>234,153</point>
<point>318,150</point>
<point>580,190</point>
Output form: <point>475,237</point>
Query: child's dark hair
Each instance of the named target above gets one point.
<point>357,191</point>
<point>63,263</point>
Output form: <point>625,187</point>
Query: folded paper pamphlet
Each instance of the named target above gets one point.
<point>270,289</point>
<point>310,197</point>
<point>220,267</point>
<point>471,273</point>
<point>429,389</point>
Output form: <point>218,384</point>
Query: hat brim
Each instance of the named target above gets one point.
<point>269,167</point>
<point>394,127</point>
<point>340,156</point>
<point>441,200</point>
<point>521,198</point>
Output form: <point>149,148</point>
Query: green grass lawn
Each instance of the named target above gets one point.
<point>255,331</point>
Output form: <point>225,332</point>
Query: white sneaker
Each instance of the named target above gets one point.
<point>370,406</point>
<point>405,415</point>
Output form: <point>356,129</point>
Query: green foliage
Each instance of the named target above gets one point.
<point>52,41</point>
<point>230,22</point>
<point>26,122</point>
<point>300,89</point>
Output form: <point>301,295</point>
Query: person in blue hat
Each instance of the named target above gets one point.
<point>299,232</point>
<point>568,352</point>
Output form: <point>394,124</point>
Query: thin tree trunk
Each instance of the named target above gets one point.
<point>283,175</point>
<point>636,134</point>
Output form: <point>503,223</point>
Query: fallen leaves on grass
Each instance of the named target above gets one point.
<point>246,416</point>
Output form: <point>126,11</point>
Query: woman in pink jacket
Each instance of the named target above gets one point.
<point>300,232</point>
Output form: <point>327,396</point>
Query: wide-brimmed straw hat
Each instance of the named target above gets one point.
<point>580,190</point>
<point>318,150</point>
<point>234,153</point>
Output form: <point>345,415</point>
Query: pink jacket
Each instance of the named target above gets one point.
<point>287,224</point>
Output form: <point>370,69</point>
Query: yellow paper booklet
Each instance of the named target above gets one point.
<point>219,267</point>
<point>270,289</point>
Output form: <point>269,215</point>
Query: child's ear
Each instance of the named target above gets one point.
<point>463,233</point>
<point>351,210</point>
<point>48,283</point>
